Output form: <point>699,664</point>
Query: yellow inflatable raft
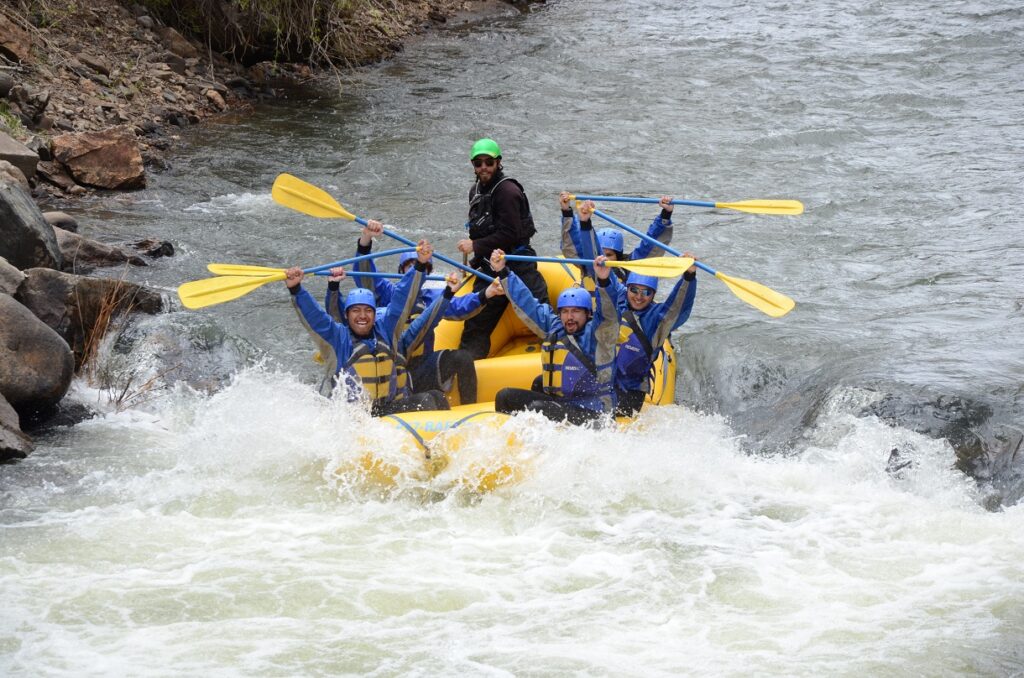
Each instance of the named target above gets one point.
<point>437,439</point>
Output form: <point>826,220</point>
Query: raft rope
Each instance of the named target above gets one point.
<point>419,439</point>
<point>416,436</point>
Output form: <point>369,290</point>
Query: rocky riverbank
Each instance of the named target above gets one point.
<point>90,96</point>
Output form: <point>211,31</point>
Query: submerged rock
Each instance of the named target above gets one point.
<point>83,254</point>
<point>61,220</point>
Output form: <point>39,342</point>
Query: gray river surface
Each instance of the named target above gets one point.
<point>752,528</point>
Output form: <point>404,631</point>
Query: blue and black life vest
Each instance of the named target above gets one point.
<point>481,213</point>
<point>569,372</point>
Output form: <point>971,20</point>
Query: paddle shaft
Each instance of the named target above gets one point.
<point>653,241</point>
<point>556,260</point>
<point>652,201</point>
<point>779,207</point>
<point>380,274</point>
<point>353,260</point>
<point>467,269</point>
<point>311,195</point>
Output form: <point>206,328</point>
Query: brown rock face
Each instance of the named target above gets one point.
<point>109,159</point>
<point>14,42</point>
<point>177,44</point>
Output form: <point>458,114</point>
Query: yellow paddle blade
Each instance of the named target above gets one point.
<point>762,298</point>
<point>764,206</point>
<point>211,291</point>
<point>658,267</point>
<point>306,198</point>
<point>242,269</point>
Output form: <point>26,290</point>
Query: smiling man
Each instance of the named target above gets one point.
<point>578,357</point>
<point>645,327</point>
<point>370,348</point>
<point>499,218</point>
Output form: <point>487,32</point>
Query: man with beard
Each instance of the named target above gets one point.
<point>370,348</point>
<point>578,349</point>
<point>499,218</point>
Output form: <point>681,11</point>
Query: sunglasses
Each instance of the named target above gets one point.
<point>490,162</point>
<point>642,291</point>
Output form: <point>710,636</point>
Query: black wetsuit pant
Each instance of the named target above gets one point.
<point>512,400</point>
<point>415,402</point>
<point>629,403</point>
<point>434,372</point>
<point>476,332</point>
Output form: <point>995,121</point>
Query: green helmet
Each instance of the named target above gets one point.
<point>485,147</point>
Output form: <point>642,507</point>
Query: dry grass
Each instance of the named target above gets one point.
<point>95,321</point>
<point>335,33</point>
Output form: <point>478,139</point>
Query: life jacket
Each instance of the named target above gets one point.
<point>428,343</point>
<point>634,360</point>
<point>569,372</point>
<point>481,213</point>
<point>423,301</point>
<point>375,369</point>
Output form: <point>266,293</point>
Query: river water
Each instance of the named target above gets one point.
<point>759,526</point>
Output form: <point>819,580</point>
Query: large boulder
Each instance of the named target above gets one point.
<point>26,240</point>
<point>109,159</point>
<point>13,443</point>
<point>36,364</point>
<point>80,309</point>
<point>82,254</point>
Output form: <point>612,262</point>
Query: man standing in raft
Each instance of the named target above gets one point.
<point>370,348</point>
<point>578,350</point>
<point>499,218</point>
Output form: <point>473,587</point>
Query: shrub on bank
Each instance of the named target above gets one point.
<point>311,31</point>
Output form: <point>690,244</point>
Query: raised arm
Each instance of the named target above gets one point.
<point>403,300</point>
<point>382,288</point>
<point>675,310</point>
<point>660,229</point>
<point>570,228</point>
<point>315,319</point>
<point>537,317</point>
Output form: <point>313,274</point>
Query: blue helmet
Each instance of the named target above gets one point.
<point>574,297</point>
<point>360,296</point>
<point>406,257</point>
<point>609,238</point>
<point>645,280</point>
